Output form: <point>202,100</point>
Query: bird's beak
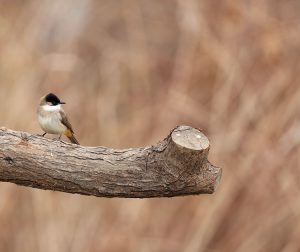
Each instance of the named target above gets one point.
<point>62,103</point>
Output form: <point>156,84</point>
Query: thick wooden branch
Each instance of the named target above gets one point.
<point>176,166</point>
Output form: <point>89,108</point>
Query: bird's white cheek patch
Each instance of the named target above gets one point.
<point>51,108</point>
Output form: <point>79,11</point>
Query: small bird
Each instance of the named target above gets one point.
<point>53,119</point>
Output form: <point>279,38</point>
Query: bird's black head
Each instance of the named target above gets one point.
<point>53,100</point>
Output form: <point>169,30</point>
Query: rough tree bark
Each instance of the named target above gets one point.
<point>176,166</point>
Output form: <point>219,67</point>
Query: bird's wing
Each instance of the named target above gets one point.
<point>64,120</point>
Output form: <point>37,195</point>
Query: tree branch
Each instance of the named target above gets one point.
<point>176,166</point>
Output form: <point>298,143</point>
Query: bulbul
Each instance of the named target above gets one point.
<point>53,119</point>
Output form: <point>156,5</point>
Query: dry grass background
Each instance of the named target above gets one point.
<point>130,71</point>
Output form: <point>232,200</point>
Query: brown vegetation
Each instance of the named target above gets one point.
<point>131,70</point>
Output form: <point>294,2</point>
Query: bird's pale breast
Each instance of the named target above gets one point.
<point>50,122</point>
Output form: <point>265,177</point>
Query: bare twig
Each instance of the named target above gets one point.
<point>176,166</point>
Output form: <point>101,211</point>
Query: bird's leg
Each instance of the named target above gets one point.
<point>59,138</point>
<point>42,134</point>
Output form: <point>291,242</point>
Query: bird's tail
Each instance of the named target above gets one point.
<point>73,140</point>
<point>71,137</point>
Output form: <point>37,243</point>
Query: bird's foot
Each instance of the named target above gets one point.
<point>59,138</point>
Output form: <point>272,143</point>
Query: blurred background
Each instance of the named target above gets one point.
<point>130,71</point>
